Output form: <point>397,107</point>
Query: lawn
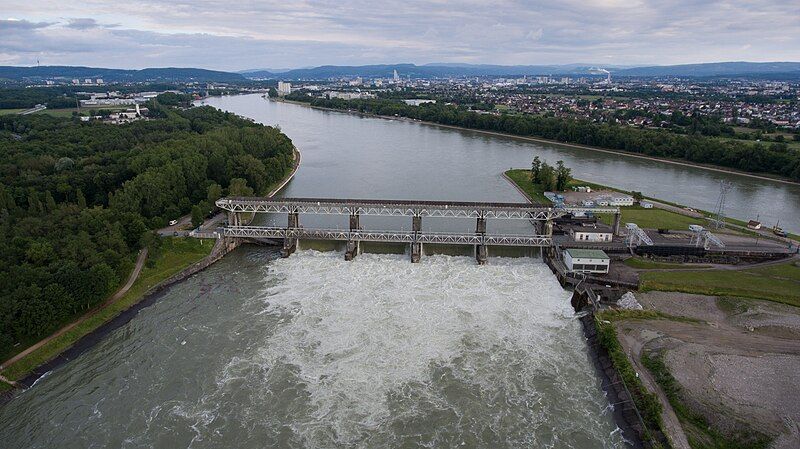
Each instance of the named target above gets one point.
<point>58,112</point>
<point>637,262</point>
<point>175,255</point>
<point>653,218</point>
<point>780,283</point>
<point>11,111</point>
<point>522,178</point>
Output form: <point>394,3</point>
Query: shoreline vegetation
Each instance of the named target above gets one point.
<point>674,161</point>
<point>169,260</point>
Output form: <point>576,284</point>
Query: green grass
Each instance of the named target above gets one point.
<point>522,178</point>
<point>58,112</point>
<point>175,255</point>
<point>4,387</point>
<point>11,111</point>
<point>698,431</point>
<point>778,283</point>
<point>637,262</point>
<point>653,218</point>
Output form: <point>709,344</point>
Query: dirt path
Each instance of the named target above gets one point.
<point>119,293</point>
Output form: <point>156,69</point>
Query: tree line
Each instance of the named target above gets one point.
<point>79,199</point>
<point>774,158</point>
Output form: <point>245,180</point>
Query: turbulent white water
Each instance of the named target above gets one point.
<point>315,352</point>
<point>439,353</point>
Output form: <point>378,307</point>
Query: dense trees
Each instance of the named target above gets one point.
<point>773,158</point>
<point>77,200</point>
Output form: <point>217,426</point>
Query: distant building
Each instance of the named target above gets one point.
<point>753,224</point>
<point>646,204</point>
<point>395,76</point>
<point>417,102</point>
<point>614,200</point>
<point>586,260</point>
<point>284,88</point>
<point>99,81</point>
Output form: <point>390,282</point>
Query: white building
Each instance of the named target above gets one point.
<point>591,235</point>
<point>417,102</point>
<point>614,200</point>
<point>284,88</point>
<point>646,204</point>
<point>586,260</point>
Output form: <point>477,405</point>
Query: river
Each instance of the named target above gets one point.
<point>315,352</point>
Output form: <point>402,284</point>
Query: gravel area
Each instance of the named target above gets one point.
<point>739,366</point>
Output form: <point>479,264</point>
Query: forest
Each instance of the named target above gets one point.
<point>770,158</point>
<point>79,199</point>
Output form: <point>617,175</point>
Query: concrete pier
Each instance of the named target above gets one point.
<point>351,250</point>
<point>290,243</point>
<point>416,252</point>
<point>481,254</point>
<point>615,228</point>
<point>353,247</point>
<point>480,227</point>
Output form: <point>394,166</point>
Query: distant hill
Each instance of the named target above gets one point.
<point>175,74</point>
<point>421,71</point>
<point>716,69</point>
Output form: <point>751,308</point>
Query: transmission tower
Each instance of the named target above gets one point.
<point>719,213</point>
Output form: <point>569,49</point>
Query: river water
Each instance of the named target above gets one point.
<point>312,351</point>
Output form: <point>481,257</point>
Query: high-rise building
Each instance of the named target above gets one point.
<point>395,76</point>
<point>284,88</point>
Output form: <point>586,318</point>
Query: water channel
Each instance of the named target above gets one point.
<point>312,351</point>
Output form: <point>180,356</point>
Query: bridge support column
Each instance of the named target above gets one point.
<point>480,227</point>
<point>615,229</point>
<point>233,219</point>
<point>294,220</point>
<point>355,222</point>
<point>481,254</point>
<point>289,246</point>
<point>416,223</point>
<point>416,252</point>
<point>352,249</point>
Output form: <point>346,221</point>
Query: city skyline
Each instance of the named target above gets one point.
<point>268,34</point>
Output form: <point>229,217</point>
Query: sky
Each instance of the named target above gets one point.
<point>247,34</point>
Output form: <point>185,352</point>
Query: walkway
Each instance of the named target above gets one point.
<point>119,294</point>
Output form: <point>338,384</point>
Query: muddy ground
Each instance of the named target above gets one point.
<point>738,366</point>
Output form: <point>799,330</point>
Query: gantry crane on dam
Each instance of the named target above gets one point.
<point>540,215</point>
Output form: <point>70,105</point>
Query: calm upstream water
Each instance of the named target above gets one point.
<point>315,352</point>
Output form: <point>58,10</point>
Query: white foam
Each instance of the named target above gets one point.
<point>357,332</point>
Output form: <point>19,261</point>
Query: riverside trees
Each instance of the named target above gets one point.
<point>77,200</point>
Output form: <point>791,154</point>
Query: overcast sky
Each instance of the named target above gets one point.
<point>243,34</point>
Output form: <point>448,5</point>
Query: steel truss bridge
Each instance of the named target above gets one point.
<point>388,236</point>
<point>540,215</point>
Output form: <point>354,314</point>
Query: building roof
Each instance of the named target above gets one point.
<point>586,253</point>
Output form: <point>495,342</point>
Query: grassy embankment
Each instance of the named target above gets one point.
<point>645,218</point>
<point>780,283</point>
<point>11,111</point>
<point>174,255</point>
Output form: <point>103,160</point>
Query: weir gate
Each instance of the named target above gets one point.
<point>540,216</point>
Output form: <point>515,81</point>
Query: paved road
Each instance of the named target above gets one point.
<point>124,289</point>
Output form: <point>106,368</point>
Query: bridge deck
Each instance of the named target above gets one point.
<point>455,209</point>
<point>388,236</point>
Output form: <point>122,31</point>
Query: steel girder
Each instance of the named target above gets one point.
<point>388,236</point>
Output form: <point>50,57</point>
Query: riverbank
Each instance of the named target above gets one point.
<point>178,257</point>
<point>765,177</point>
<point>176,262</point>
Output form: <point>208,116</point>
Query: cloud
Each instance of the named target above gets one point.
<point>17,24</point>
<point>276,33</point>
<point>86,23</point>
